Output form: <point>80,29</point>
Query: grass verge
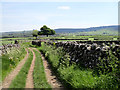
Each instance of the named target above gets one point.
<point>20,79</point>
<point>11,60</point>
<point>39,76</point>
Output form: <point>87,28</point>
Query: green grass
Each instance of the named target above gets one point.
<point>66,36</point>
<point>6,42</point>
<point>115,39</point>
<point>11,60</point>
<point>20,79</point>
<point>91,39</point>
<point>15,38</point>
<point>78,78</point>
<point>39,76</point>
<point>85,37</point>
<point>74,76</point>
<point>6,66</point>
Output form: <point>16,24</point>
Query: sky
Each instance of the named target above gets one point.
<point>20,16</point>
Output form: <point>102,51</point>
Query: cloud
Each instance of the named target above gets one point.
<point>64,7</point>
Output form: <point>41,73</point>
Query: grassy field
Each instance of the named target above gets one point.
<point>85,37</point>
<point>98,37</point>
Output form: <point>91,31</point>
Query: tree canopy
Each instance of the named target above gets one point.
<point>35,33</point>
<point>46,31</point>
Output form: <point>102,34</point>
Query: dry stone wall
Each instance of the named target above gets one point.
<point>88,53</point>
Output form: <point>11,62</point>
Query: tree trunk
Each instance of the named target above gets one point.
<point>47,35</point>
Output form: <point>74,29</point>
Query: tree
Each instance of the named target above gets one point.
<point>35,33</point>
<point>46,31</point>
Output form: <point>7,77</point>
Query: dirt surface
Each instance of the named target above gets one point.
<point>51,78</point>
<point>29,80</point>
<point>7,81</point>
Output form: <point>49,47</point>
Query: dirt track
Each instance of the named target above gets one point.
<point>51,78</point>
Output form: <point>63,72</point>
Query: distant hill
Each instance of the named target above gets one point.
<point>70,30</point>
<point>102,30</point>
<point>17,34</point>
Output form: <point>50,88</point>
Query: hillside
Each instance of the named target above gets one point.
<point>17,34</point>
<point>72,30</point>
<point>103,30</point>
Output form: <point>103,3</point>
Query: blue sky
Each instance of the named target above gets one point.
<point>19,16</point>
